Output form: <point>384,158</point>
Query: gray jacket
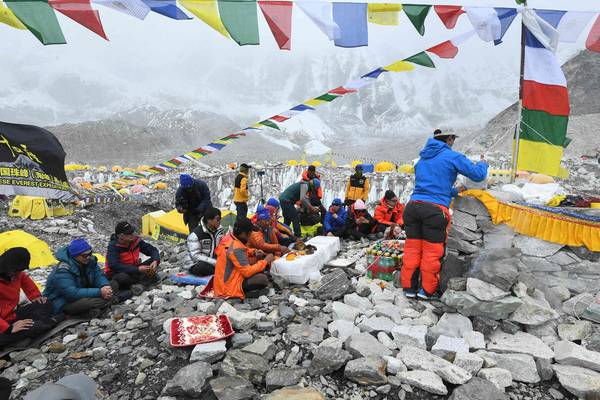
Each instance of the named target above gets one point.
<point>201,245</point>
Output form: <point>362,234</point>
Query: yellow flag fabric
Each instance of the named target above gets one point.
<point>207,11</point>
<point>314,102</point>
<point>8,17</point>
<point>384,13</point>
<point>400,66</point>
<point>540,157</point>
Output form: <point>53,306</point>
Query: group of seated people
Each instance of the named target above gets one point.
<point>77,286</point>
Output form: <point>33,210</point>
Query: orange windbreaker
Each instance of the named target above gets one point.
<point>387,216</point>
<point>258,240</point>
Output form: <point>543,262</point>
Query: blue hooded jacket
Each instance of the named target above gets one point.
<point>436,172</point>
<point>334,224</point>
<point>65,283</point>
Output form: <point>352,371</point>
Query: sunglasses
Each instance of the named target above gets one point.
<point>86,255</point>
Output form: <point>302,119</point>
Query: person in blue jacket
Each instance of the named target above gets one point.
<point>335,219</point>
<point>192,199</point>
<point>426,216</point>
<point>77,285</point>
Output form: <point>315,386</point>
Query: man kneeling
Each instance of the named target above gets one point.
<point>77,285</point>
<point>203,242</point>
<point>234,275</point>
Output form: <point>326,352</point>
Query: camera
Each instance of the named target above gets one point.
<point>260,172</point>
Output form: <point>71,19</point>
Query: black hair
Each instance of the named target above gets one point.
<point>389,194</point>
<point>242,225</point>
<point>211,213</point>
<point>312,168</point>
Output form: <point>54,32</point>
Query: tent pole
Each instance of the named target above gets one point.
<point>515,156</point>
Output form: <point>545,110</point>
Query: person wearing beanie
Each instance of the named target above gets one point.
<point>77,285</point>
<point>266,238</point>
<point>359,223</point>
<point>123,263</point>
<point>240,191</point>
<point>297,193</point>
<point>27,321</point>
<point>235,275</point>
<point>335,219</point>
<point>273,202</point>
<point>202,244</point>
<point>357,187</point>
<point>388,215</point>
<point>192,199</point>
<point>426,216</point>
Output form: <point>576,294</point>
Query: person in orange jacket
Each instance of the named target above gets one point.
<point>266,238</point>
<point>388,213</point>
<point>234,275</point>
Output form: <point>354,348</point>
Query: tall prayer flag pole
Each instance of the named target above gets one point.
<point>515,159</point>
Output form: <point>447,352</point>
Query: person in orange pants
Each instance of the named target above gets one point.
<point>426,216</point>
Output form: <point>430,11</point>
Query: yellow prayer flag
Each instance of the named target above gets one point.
<point>400,66</point>
<point>540,157</point>
<point>8,17</point>
<point>207,11</point>
<point>384,13</point>
<point>314,102</point>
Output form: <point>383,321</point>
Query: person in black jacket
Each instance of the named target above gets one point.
<point>359,223</point>
<point>192,200</point>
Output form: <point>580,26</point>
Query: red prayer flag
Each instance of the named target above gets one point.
<point>81,12</point>
<point>341,91</point>
<point>279,17</point>
<point>593,41</point>
<point>446,49</point>
<point>279,118</point>
<point>449,14</point>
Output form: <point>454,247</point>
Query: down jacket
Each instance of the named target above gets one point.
<point>201,245</point>
<point>9,297</point>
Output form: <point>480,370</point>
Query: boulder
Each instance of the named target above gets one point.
<point>333,285</point>
<point>230,388</point>
<point>532,246</point>
<point>475,340</point>
<point>383,296</point>
<point>343,311</point>
<point>472,307</point>
<point>342,329</point>
<point>305,334</point>
<point>454,267</point>
<point>569,353</point>
<point>501,378</point>
<point>424,380</point>
<point>464,220</point>
<point>487,326</point>
<point>576,306</point>
<point>354,300</point>
<point>576,331</point>
<point>247,365</point>
<point>470,205</point>
<point>462,246</point>
<point>478,389</point>
<point>537,264</point>
<point>327,360</point>
<point>365,345</point>
<point>522,367</point>
<point>366,371</point>
<point>451,325</point>
<point>394,365</point>
<point>533,311</point>
<point>585,254</point>
<point>295,393</point>
<point>498,267</point>
<point>375,324</point>
<point>209,352</point>
<point>470,362</point>
<point>385,340</point>
<point>520,342</point>
<point>419,359</point>
<point>283,377</point>
<point>413,335</point>
<point>461,233</point>
<point>388,310</point>
<point>563,258</point>
<point>189,381</point>
<point>581,382</point>
<point>240,320</point>
<point>447,347</point>
<point>484,291</point>
<point>263,347</point>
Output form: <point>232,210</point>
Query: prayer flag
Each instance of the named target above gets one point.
<point>135,8</point>
<point>168,8</point>
<point>421,59</point>
<point>207,11</point>
<point>279,18</point>
<point>384,13</point>
<point>8,17</point>
<point>39,18</point>
<point>321,14</point>
<point>449,14</point>
<point>240,20</point>
<point>417,14</point>
<point>593,41</point>
<point>352,21</point>
<point>81,12</point>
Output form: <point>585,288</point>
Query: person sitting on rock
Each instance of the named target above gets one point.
<point>123,263</point>
<point>284,233</point>
<point>192,199</point>
<point>359,223</point>
<point>388,215</point>
<point>335,220</point>
<point>234,275</point>
<point>27,321</point>
<point>77,285</point>
<point>202,243</point>
<point>265,238</point>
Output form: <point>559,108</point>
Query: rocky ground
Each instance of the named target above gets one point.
<point>516,321</point>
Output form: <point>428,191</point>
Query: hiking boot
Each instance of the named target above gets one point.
<point>410,293</point>
<point>422,295</point>
<point>255,294</point>
<point>136,289</point>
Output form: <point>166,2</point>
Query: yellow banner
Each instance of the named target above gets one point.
<point>8,17</point>
<point>540,157</point>
<point>400,66</point>
<point>207,11</point>
<point>384,13</point>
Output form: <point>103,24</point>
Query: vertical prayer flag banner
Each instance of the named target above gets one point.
<point>208,12</point>
<point>168,8</point>
<point>545,33</point>
<point>81,12</point>
<point>279,18</point>
<point>449,14</point>
<point>352,21</point>
<point>32,163</point>
<point>135,8</point>
<point>321,14</point>
<point>8,17</point>
<point>417,14</point>
<point>545,114</point>
<point>593,41</point>
<point>241,20</point>
<point>39,18</point>
<point>384,13</point>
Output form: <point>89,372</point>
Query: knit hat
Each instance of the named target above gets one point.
<point>336,202</point>
<point>14,259</point>
<point>273,202</point>
<point>78,246</point>
<point>186,180</point>
<point>359,205</point>
<point>263,214</point>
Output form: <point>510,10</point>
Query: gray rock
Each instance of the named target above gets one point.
<point>375,324</point>
<point>424,380</point>
<point>501,378</point>
<point>464,220</point>
<point>286,312</point>
<point>562,258</point>
<point>461,245</point>
<point>365,345</point>
<point>354,300</point>
<point>230,388</point>
<point>544,368</point>
<point>28,355</point>
<point>447,347</point>
<point>470,205</point>
<point>576,331</point>
<point>537,264</point>
<point>240,320</point>
<point>498,267</point>
<point>416,358</point>
<point>383,296</point>
<point>561,292</point>
<point>390,311</point>
<point>520,342</point>
<point>475,340</point>
<point>575,306</point>
<point>262,347</point>
<point>472,307</point>
<point>241,339</point>
<point>487,326</point>
<point>493,241</point>
<point>569,353</point>
<point>458,284</point>
<point>461,233</point>
<point>342,329</point>
<point>585,254</point>
<point>454,267</point>
<point>522,367</point>
<point>344,311</point>
<point>452,325</point>
<point>583,383</point>
<point>478,389</point>
<point>484,291</point>
<point>305,334</point>
<point>189,380</point>
<point>209,352</point>
<point>394,365</point>
<point>327,360</point>
<point>533,311</point>
<point>366,371</point>
<point>532,246</point>
<point>470,362</point>
<point>247,365</point>
<point>385,340</point>
<point>410,336</point>
<point>333,285</point>
<point>278,378</point>
<point>510,327</point>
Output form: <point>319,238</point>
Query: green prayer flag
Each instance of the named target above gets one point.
<point>421,58</point>
<point>241,20</point>
<point>270,124</point>
<point>39,18</point>
<point>327,97</point>
<point>417,14</point>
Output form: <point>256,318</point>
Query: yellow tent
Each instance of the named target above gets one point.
<point>407,169</point>
<point>292,163</point>
<point>41,255</point>
<point>35,208</point>
<point>160,186</point>
<point>143,167</point>
<point>316,163</point>
<point>117,168</point>
<point>304,163</point>
<point>355,163</point>
<point>169,225</point>
<point>384,166</point>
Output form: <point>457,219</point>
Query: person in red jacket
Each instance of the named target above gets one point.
<point>30,320</point>
<point>388,214</point>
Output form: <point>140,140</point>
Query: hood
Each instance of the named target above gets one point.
<point>62,255</point>
<point>432,148</point>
